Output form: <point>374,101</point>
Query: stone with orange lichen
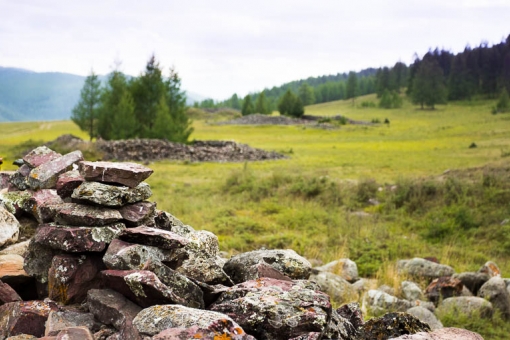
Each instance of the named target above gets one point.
<point>45,176</point>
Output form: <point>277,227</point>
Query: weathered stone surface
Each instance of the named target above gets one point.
<point>286,261</point>
<point>495,291</point>
<point>468,305</point>
<point>490,268</point>
<point>25,337</point>
<point>424,315</point>
<point>71,276</point>
<point>335,286</point>
<point>111,195</point>
<point>38,260</point>
<point>338,328</point>
<point>203,263</point>
<point>11,267</point>
<point>155,319</point>
<point>141,286</point>
<point>23,318</point>
<point>9,228</point>
<point>275,309</point>
<point>411,291</point>
<point>77,239</point>
<point>20,177</point>
<point>128,174</point>
<point>126,256</point>
<point>86,215</point>
<point>59,320</point>
<point>473,281</point>
<point>167,221</point>
<point>345,268</point>
<point>112,308</point>
<point>378,303</point>
<point>7,294</point>
<point>5,177</point>
<point>75,333</point>
<point>392,325</point>
<point>45,175</point>
<point>15,201</point>
<point>443,288</point>
<point>221,329</point>
<point>442,334</point>
<point>153,237</point>
<point>137,214</point>
<point>352,313</point>
<point>67,182</point>
<point>40,155</point>
<point>178,283</point>
<point>38,203</point>
<point>422,268</point>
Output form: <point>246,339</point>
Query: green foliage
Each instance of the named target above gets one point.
<point>261,105</point>
<point>86,111</point>
<point>248,108</point>
<point>306,94</point>
<point>428,85</point>
<point>290,105</point>
<point>367,104</point>
<point>493,328</point>
<point>503,104</point>
<point>352,86</point>
<point>390,100</point>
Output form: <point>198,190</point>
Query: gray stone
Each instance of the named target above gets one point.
<point>128,174</point>
<point>392,325</point>
<point>75,333</point>
<point>40,155</point>
<point>20,178</point>
<point>339,290</point>
<point>5,177</point>
<point>378,303</point>
<point>9,228</point>
<point>422,268</point>
<point>38,260</point>
<point>167,221</point>
<point>338,328</point>
<point>466,305</point>
<point>473,281</point>
<point>426,316</point>
<point>59,320</point>
<point>496,292</point>
<point>346,268</point>
<point>490,268</point>
<point>387,289</point>
<point>45,176</point>
<point>442,334</point>
<point>86,215</point>
<point>153,237</point>
<point>15,201</point>
<point>16,249</point>
<point>286,261</point>
<point>111,195</point>
<point>411,291</point>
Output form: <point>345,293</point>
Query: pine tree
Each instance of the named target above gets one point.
<point>386,100</point>
<point>503,104</point>
<point>306,93</point>
<point>261,105</point>
<point>352,86</point>
<point>85,113</point>
<point>248,108</point>
<point>428,84</point>
<point>234,102</point>
<point>298,108</point>
<point>180,128</point>
<point>286,103</point>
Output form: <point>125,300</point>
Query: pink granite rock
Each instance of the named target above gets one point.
<point>38,203</point>
<point>75,333</point>
<point>153,237</point>
<point>40,155</point>
<point>67,182</point>
<point>45,176</point>
<point>23,318</point>
<point>129,174</point>
<point>86,215</point>
<point>7,294</point>
<point>135,214</point>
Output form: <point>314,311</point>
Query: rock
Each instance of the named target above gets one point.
<point>490,268</point>
<point>424,315</point>
<point>38,260</point>
<point>128,174</point>
<point>137,213</point>
<point>473,281</point>
<point>346,268</point>
<point>59,320</point>
<point>16,249</point>
<point>222,329</point>
<point>338,328</point>
<point>392,325</point>
<point>167,221</point>
<point>422,268</point>
<point>471,306</point>
<point>11,269</point>
<point>275,309</point>
<point>5,177</point>
<point>71,276</point>
<point>286,261</point>
<point>178,283</point>
<point>153,320</point>
<point>75,333</point>
<point>40,155</point>
<point>378,302</point>
<point>37,204</point>
<point>335,286</point>
<point>20,177</point>
<point>24,317</point>
<point>9,228</point>
<point>86,215</point>
<point>45,175</point>
<point>363,285</point>
<point>352,313</point>
<point>387,289</point>
<point>142,287</point>
<point>112,308</point>
<point>442,334</point>
<point>111,195</point>
<point>7,294</point>
<point>153,237</point>
<point>77,239</point>
<point>67,182</point>
<point>443,288</point>
<point>496,292</point>
<point>15,201</point>
<point>263,269</point>
<point>122,255</point>
<point>411,291</point>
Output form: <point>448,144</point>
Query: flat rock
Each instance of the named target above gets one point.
<point>426,316</point>
<point>286,261</point>
<point>411,291</point>
<point>466,305</point>
<point>153,237</point>
<point>75,333</point>
<point>71,276</point>
<point>128,174</point>
<point>14,201</point>
<point>86,215</point>
<point>443,334</point>
<point>40,155</point>
<point>339,289</point>
<point>137,213</point>
<point>24,317</point>
<point>275,309</point>
<point>221,329</point>
<point>392,325</point>
<point>67,182</point>
<point>45,176</point>
<point>20,177</point>
<point>345,268</point>
<point>37,204</point>
<point>495,291</point>
<point>11,266</point>
<point>9,228</point>
<point>111,195</point>
<point>77,239</point>
<point>422,268</point>
<point>59,320</point>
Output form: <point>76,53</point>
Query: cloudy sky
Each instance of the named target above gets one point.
<point>220,47</point>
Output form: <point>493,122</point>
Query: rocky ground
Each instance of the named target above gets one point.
<point>306,120</point>
<point>105,263</point>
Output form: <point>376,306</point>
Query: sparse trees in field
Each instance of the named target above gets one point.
<point>247,108</point>
<point>428,84</point>
<point>291,105</point>
<point>85,113</point>
<point>390,100</point>
<point>261,105</point>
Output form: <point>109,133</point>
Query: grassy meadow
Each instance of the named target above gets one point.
<point>437,197</point>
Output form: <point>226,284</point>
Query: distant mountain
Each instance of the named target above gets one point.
<point>31,96</point>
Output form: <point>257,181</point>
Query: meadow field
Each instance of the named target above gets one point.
<point>431,194</point>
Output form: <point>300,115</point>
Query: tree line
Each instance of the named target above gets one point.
<point>148,106</point>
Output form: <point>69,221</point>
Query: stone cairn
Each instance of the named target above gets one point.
<point>105,263</point>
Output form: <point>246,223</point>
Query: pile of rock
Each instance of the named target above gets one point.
<point>105,263</point>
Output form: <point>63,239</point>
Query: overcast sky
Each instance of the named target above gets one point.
<point>222,47</point>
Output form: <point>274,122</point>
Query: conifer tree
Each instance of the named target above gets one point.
<point>248,108</point>
<point>85,113</point>
<point>261,105</point>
